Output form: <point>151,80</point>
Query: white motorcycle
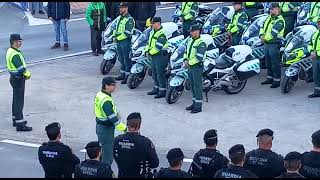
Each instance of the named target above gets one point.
<point>179,79</point>
<point>302,16</point>
<point>142,63</point>
<point>111,53</point>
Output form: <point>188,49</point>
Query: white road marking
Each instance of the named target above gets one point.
<point>187,160</point>
<point>83,150</point>
<point>20,143</point>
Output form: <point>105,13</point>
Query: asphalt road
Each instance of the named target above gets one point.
<point>37,40</point>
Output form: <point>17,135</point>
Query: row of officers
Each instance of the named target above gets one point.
<point>136,156</point>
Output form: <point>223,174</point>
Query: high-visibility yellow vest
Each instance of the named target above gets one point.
<point>152,42</point>
<point>11,67</point>
<point>121,28</point>
<point>314,11</point>
<point>268,28</point>
<point>233,25</point>
<point>186,9</point>
<point>315,43</point>
<point>191,53</point>
<point>249,4</point>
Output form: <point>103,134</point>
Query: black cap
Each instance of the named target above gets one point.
<point>268,132</point>
<point>210,135</point>
<point>108,81</point>
<point>93,144</point>
<point>156,19</point>
<point>238,148</point>
<point>293,156</point>
<point>124,4</point>
<point>175,153</point>
<point>195,27</point>
<point>55,126</point>
<point>316,135</point>
<point>274,5</point>
<point>15,37</point>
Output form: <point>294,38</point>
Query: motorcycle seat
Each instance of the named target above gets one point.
<point>224,63</point>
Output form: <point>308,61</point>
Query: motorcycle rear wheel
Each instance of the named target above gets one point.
<point>288,83</point>
<point>235,89</point>
<point>134,80</point>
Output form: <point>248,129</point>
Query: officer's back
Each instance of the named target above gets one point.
<point>263,161</point>
<point>235,169</point>
<point>55,157</point>
<point>134,153</point>
<point>93,168</point>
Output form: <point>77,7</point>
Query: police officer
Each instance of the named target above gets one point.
<point>289,12</point>
<point>310,161</point>
<point>263,162</point>
<point>292,162</point>
<point>175,158</point>
<point>314,12</point>
<point>238,23</point>
<point>156,49</point>
<point>134,154</point>
<point>122,36</point>
<point>188,16</point>
<point>19,73</point>
<point>251,9</point>
<point>107,118</point>
<point>235,169</point>
<point>195,54</point>
<point>56,158</point>
<point>206,162</point>
<point>271,35</point>
<point>93,168</point>
<point>314,50</point>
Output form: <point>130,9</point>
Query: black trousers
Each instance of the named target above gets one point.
<point>96,38</point>
<point>18,86</point>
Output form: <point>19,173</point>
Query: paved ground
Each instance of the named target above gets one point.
<point>59,93</point>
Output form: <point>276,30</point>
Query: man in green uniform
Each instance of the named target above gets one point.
<point>289,12</point>
<point>188,16</point>
<point>314,49</point>
<point>314,12</point>
<point>17,68</point>
<point>251,9</point>
<point>122,35</point>
<point>107,118</point>
<point>271,34</point>
<point>238,23</point>
<point>194,56</point>
<point>156,49</point>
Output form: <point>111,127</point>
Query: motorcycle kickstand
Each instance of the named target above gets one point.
<point>206,94</point>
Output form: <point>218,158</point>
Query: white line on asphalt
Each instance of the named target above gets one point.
<point>187,160</point>
<point>83,150</point>
<point>20,143</point>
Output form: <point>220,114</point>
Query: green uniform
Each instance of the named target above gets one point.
<point>314,12</point>
<point>188,14</point>
<point>237,25</point>
<point>289,12</point>
<point>314,46</point>
<point>273,31</point>
<point>107,120</point>
<point>123,34</point>
<point>195,54</point>
<point>157,48</point>
<point>251,9</point>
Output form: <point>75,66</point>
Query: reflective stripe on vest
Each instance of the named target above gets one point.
<point>268,26</point>
<point>315,43</point>
<point>100,99</point>
<point>10,66</point>
<point>192,50</point>
<point>235,21</point>
<point>153,38</point>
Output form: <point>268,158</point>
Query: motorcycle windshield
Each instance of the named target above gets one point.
<point>179,52</point>
<point>217,17</point>
<point>110,28</point>
<point>251,34</point>
<point>302,16</point>
<point>142,39</point>
<point>296,42</point>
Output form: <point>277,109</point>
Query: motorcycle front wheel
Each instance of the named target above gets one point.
<point>288,83</point>
<point>134,80</point>
<point>107,65</point>
<point>235,89</point>
<point>174,93</point>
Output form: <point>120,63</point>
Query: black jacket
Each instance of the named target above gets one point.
<point>310,164</point>
<point>206,162</point>
<point>234,172</point>
<point>264,163</point>
<point>59,10</point>
<point>93,169</point>
<point>141,11</point>
<point>57,160</point>
<point>112,9</point>
<point>290,175</point>
<point>130,151</point>
<point>169,173</point>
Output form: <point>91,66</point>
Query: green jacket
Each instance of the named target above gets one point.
<point>96,15</point>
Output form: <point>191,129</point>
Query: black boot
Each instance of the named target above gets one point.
<point>275,84</point>
<point>23,127</point>
<point>197,108</point>
<point>268,81</point>
<point>120,78</point>
<point>315,94</point>
<point>161,94</point>
<point>14,124</point>
<point>189,108</point>
<point>155,91</point>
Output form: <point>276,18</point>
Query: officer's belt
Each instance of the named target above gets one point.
<point>104,123</point>
<point>162,52</point>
